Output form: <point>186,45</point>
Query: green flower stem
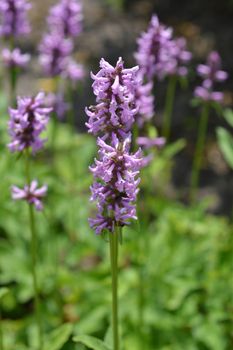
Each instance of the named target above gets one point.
<point>13,74</point>
<point>166,128</point>
<point>113,242</point>
<point>54,123</point>
<point>34,256</point>
<point>54,120</point>
<point>199,151</point>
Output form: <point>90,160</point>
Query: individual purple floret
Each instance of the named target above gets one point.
<point>73,71</point>
<point>27,122</point>
<point>116,187</point>
<point>146,142</point>
<point>13,18</point>
<point>31,193</point>
<point>54,52</point>
<point>151,45</point>
<point>116,107</point>
<point>15,58</point>
<point>66,17</point>
<point>211,73</point>
<point>207,95</point>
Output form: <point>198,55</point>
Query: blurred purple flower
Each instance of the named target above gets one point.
<point>175,58</point>
<point>54,52</point>
<point>58,104</point>
<point>211,73</point>
<point>151,44</point>
<point>13,18</point>
<point>116,107</point>
<point>15,58</point>
<point>159,55</point>
<point>27,122</point>
<point>73,71</point>
<point>206,95</point>
<point>145,101</point>
<point>66,18</point>
<point>146,142</point>
<point>31,193</point>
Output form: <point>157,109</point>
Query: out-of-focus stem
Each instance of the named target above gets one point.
<point>166,128</point>
<point>202,129</point>
<point>34,256</point>
<point>13,73</point>
<point>71,114</point>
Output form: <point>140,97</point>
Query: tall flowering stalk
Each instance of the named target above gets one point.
<point>13,25</point>
<point>57,47</point>
<point>160,55</point>
<point>26,124</point>
<point>116,170</point>
<point>210,73</point>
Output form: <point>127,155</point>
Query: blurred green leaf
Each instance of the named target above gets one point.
<point>225,140</point>
<point>3,292</point>
<point>91,342</point>
<point>58,337</point>
<point>228,115</point>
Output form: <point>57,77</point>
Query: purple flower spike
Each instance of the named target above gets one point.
<point>31,193</point>
<point>13,18</point>
<point>27,122</point>
<point>211,73</point>
<point>151,47</point>
<point>54,52</point>
<point>116,170</point>
<point>66,17</point>
<point>116,107</point>
<point>15,58</point>
<point>116,187</point>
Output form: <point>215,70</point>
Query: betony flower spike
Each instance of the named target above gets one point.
<point>116,170</point>
<point>27,122</point>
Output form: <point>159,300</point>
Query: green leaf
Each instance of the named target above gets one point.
<point>228,115</point>
<point>3,292</point>
<point>91,342</point>
<point>58,337</point>
<point>225,141</point>
<point>172,149</point>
